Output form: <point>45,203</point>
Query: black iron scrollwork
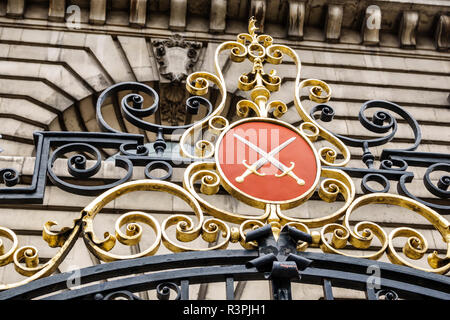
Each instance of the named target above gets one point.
<point>163,291</point>
<point>386,295</point>
<point>9,176</point>
<point>393,162</point>
<point>64,142</point>
<point>131,150</point>
<point>132,107</point>
<point>118,295</point>
<point>77,168</point>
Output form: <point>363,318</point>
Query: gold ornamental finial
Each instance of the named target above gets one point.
<point>259,82</point>
<point>252,27</point>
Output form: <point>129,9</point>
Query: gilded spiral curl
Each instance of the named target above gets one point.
<point>364,232</point>
<point>198,83</point>
<point>26,258</point>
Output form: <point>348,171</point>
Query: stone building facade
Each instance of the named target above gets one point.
<point>58,56</point>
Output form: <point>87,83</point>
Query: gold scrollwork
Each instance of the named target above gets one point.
<point>218,124</point>
<point>335,182</point>
<point>26,258</point>
<point>316,94</point>
<point>257,49</point>
<point>301,246</point>
<point>363,233</point>
<point>197,83</point>
<point>210,179</point>
<point>6,258</point>
<point>186,229</point>
<point>244,228</point>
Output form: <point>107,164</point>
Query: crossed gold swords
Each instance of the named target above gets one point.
<point>268,157</point>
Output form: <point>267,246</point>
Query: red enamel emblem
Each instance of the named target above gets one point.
<point>267,161</point>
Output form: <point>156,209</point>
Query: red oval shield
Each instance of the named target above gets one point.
<point>267,160</point>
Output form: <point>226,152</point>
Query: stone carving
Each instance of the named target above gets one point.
<point>408,27</point>
<point>176,57</point>
<point>138,13</point>
<point>442,35</point>
<point>370,31</point>
<point>56,10</point>
<point>172,104</point>
<point>296,19</point>
<point>334,22</point>
<point>178,9</point>
<point>97,13</point>
<point>15,8</point>
<point>258,11</point>
<point>217,22</point>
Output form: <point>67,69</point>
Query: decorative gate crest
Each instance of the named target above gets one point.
<point>286,173</point>
<point>260,160</point>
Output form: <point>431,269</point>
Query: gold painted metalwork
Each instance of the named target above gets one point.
<point>259,49</point>
<point>335,234</point>
<point>362,234</point>
<point>28,255</point>
<point>186,229</point>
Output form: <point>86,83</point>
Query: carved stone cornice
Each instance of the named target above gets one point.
<point>57,10</point>
<point>442,35</point>
<point>138,12</point>
<point>333,22</point>
<point>15,8</point>
<point>407,19</point>
<point>408,29</point>
<point>178,10</point>
<point>370,30</point>
<point>217,22</point>
<point>97,13</point>
<point>296,19</point>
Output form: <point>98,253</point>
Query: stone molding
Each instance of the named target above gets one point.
<point>407,20</point>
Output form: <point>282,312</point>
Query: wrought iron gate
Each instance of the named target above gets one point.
<point>275,243</point>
